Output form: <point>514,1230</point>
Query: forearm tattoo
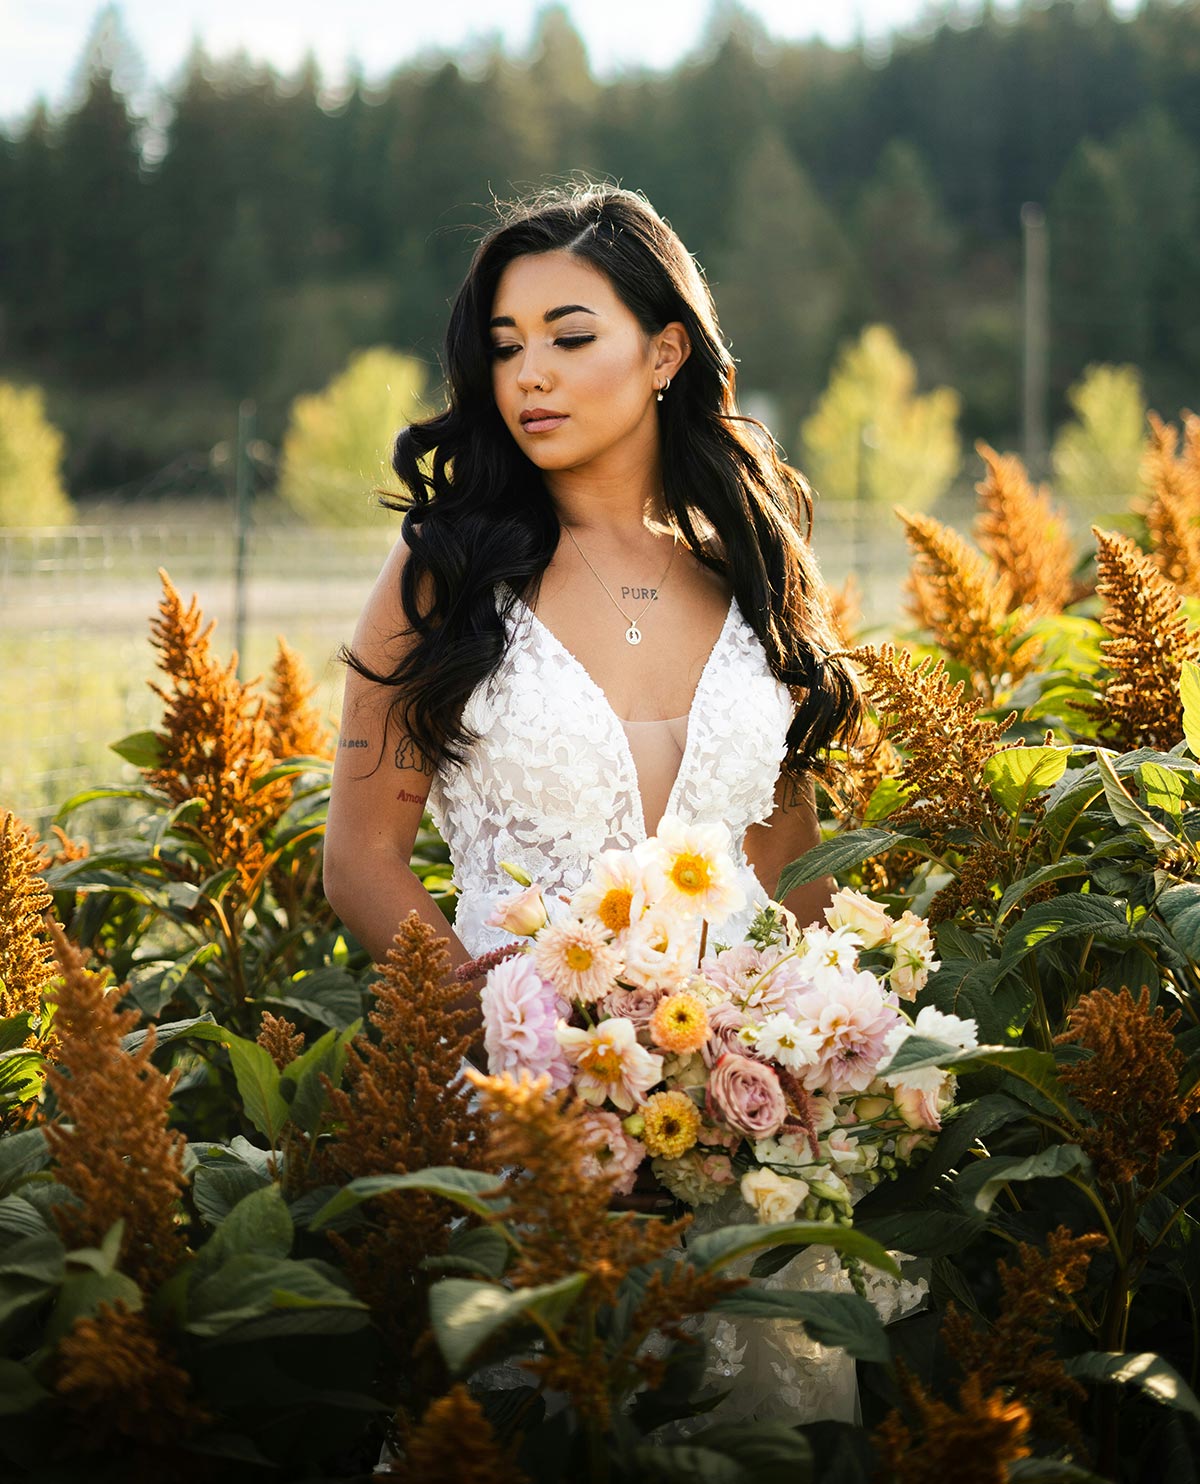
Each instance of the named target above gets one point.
<point>410,756</point>
<point>348,744</point>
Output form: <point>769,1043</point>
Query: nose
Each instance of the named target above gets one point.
<point>529,377</point>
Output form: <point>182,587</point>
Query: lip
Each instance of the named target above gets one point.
<point>541,420</point>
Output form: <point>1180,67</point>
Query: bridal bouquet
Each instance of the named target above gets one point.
<point>759,1064</point>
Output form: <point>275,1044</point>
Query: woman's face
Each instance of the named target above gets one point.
<point>573,372</point>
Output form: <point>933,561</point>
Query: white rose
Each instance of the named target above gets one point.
<point>856,911</point>
<point>775,1198</point>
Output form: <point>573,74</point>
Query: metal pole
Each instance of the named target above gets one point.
<point>1035,339</point>
<point>243,494</point>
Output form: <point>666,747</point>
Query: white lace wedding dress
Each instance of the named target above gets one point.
<point>552,782</point>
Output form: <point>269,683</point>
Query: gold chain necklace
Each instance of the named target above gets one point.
<point>633,635</point>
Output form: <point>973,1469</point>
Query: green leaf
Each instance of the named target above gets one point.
<point>257,1079</point>
<point>469,1188</point>
<point>963,1127</point>
<point>1149,1372</point>
<point>301,1085</point>
<point>21,1075</point>
<point>142,749</point>
<point>250,1288</point>
<point>1189,690</point>
<point>218,1186</point>
<point>21,1217</point>
<point>482,1246</point>
<point>886,797</point>
<point>330,995</point>
<point>1179,907</point>
<point>14,1031</point>
<point>924,1233</point>
<point>259,1223</point>
<point>90,795</point>
<point>1081,915</point>
<point>715,1250</point>
<point>465,1313</point>
<point>1019,774</point>
<point>997,1001</point>
<point>843,1320</point>
<point>1053,1471</point>
<point>736,1453</point>
<point>81,1296</point>
<point>154,984</point>
<point>40,1257</point>
<point>1070,865</point>
<point>201,1028</point>
<point>1162,788</point>
<point>1037,1069</point>
<point>839,854</point>
<point>19,1392</point>
<point>1126,811</point>
<point>980,1183</point>
<point>20,1155</point>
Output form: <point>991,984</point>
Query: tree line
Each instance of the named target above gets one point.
<point>272,226</point>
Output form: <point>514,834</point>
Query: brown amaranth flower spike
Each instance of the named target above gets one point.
<point>1172,510</point>
<point>946,742</point>
<point>964,601</point>
<point>215,745</point>
<point>405,1107</point>
<point>1130,1082</point>
<point>845,610</point>
<point>1024,535</point>
<point>973,1443</point>
<point>566,1226</point>
<point>1015,1353</point>
<point>26,956</point>
<point>280,1039</point>
<point>110,1141</point>
<point>115,1372</point>
<point>1149,639</point>
<point>454,1444</point>
<point>293,722</point>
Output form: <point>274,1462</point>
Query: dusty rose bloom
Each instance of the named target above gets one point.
<point>724,1022</point>
<point>747,1096</point>
<point>637,1005</point>
<point>615,1153</point>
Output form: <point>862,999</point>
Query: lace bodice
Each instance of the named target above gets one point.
<point>552,780</point>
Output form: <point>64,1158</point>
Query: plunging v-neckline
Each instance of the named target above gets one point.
<point>617,726</point>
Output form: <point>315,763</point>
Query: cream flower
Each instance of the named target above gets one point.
<point>609,1063</point>
<point>912,947</point>
<point>936,1025</point>
<point>576,958</point>
<point>692,871</point>
<point>522,914</point>
<point>694,1178</point>
<point>659,951</point>
<point>614,894</point>
<point>829,952</point>
<point>775,1198</point>
<point>794,1044</point>
<point>858,912</point>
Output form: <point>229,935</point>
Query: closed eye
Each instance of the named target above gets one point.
<point>564,342</point>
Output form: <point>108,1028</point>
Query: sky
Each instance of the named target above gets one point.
<point>41,40</point>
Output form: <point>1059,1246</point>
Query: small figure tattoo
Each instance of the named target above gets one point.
<point>409,755</point>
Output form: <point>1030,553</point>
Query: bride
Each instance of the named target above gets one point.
<point>602,609</point>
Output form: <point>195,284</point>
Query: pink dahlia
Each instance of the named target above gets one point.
<point>762,979</point>
<point>520,1013</point>
<point>636,1005</point>
<point>852,1020</point>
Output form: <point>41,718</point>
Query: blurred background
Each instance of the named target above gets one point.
<point>229,235</point>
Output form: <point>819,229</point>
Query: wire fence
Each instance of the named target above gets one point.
<point>76,604</point>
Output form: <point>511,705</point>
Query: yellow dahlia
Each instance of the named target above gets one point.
<point>672,1124</point>
<point>679,1023</point>
<point>576,959</point>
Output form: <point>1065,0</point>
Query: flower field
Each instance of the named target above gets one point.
<point>255,1225</point>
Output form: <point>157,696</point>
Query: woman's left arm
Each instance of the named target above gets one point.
<point>792,829</point>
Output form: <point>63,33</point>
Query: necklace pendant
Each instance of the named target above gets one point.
<point>633,635</point>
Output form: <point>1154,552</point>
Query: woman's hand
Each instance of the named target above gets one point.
<point>647,1196</point>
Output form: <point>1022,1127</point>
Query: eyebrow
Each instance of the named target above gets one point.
<point>548,318</point>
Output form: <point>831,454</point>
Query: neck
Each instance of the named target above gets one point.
<point>619,501</point>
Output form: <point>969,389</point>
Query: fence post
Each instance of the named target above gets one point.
<point>243,494</point>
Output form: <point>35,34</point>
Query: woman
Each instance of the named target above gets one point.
<point>589,485</point>
<point>602,608</point>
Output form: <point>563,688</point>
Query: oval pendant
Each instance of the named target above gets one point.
<point>633,635</point>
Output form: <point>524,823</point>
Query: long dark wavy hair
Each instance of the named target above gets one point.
<point>477,512</point>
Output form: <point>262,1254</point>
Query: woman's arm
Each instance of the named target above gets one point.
<point>380,785</point>
<point>792,829</point>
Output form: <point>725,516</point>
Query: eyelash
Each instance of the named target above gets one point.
<point>567,342</point>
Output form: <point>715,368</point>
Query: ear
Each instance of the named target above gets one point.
<point>672,348</point>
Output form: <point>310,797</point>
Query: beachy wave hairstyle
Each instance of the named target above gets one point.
<point>477,513</point>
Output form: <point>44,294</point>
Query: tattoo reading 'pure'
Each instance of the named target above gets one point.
<point>650,593</point>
